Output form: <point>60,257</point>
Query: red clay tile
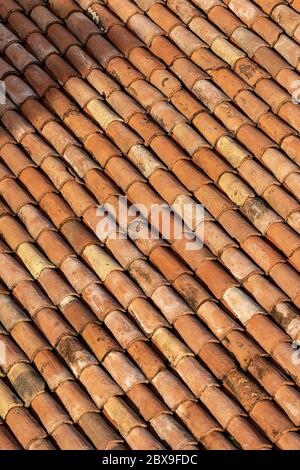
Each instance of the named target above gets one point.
<point>26,382</point>
<point>52,325</point>
<point>36,114</point>
<point>97,339</point>
<point>37,185</point>
<point>123,105</point>
<point>51,369</point>
<point>202,425</point>
<point>122,329</point>
<point>24,426</point>
<point>43,17</point>
<point>81,61</point>
<point>17,125</point>
<point>13,232</point>
<point>145,62</point>
<point>99,432</point>
<point>37,299</point>
<point>20,57</point>
<point>61,38</point>
<point>221,407</point>
<point>217,360</point>
<point>108,51</point>
<point>13,356</point>
<point>102,82</point>
<point>40,46</point>
<point>100,385</point>
<point>54,286</point>
<point>11,272</point>
<point>22,25</point>
<point>148,404</point>
<point>100,301</point>
<point>162,284</point>
<point>5,138</point>
<point>144,28</point>
<point>251,105</point>
<point>63,10</point>
<point>18,90</point>
<point>172,432</point>
<point>39,79</point>
<point>11,314</point>
<point>77,314</point>
<point>242,348</point>
<point>140,438</point>
<point>78,236</point>
<point>147,360</point>
<point>165,50</point>
<point>217,441</point>
<point>289,441</point>
<point>68,438</point>
<point>7,441</point>
<point>286,397</point>
<point>29,339</point>
<point>271,420</point>
<point>77,274</point>
<point>75,400</point>
<point>122,287</point>
<point>107,18</point>
<point>194,334</point>
<point>270,60</point>
<point>83,28</point>
<point>248,436</point>
<point>170,388</point>
<point>9,7</point>
<point>60,69</point>
<point>116,363</point>
<point>146,316</point>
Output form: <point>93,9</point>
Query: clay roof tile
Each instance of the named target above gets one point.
<point>183,102</point>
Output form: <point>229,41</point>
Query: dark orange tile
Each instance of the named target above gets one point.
<point>63,10</point>
<point>40,46</point>
<point>24,426</point>
<point>68,438</point>
<point>61,38</point>
<point>159,302</point>
<point>22,24</point>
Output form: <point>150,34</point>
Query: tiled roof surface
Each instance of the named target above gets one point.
<point>136,343</point>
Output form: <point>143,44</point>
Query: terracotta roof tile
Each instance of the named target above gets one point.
<point>175,89</point>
